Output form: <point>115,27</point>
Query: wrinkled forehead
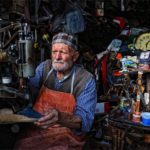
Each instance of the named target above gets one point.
<point>61,46</point>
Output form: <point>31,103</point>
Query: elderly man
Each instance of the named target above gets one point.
<point>66,100</point>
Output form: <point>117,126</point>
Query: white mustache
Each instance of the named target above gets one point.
<point>58,61</point>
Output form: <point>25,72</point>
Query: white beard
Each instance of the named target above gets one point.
<point>60,65</point>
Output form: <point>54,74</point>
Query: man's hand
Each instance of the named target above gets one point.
<point>49,119</point>
<point>53,116</point>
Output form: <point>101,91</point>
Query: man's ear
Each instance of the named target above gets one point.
<point>75,56</point>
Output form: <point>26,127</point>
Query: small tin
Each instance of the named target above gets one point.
<point>136,117</point>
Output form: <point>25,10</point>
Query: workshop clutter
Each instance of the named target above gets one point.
<point>127,70</point>
<point>124,85</point>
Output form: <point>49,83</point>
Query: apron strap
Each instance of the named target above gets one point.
<point>48,75</point>
<point>72,80</point>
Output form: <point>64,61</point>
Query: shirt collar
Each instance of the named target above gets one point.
<point>66,76</point>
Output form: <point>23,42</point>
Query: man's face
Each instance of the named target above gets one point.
<point>63,57</point>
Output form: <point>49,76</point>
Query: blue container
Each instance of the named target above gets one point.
<point>146,118</point>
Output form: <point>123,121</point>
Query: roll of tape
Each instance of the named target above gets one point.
<point>6,80</point>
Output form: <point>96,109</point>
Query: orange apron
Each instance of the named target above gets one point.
<point>56,137</point>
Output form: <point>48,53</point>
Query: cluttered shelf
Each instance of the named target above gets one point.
<point>126,123</point>
<point>126,86</point>
<point>132,71</point>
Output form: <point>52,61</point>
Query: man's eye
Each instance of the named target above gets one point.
<point>63,52</point>
<point>54,51</point>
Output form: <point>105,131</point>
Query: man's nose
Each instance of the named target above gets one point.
<point>58,55</point>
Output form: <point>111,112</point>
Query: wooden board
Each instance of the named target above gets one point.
<point>15,118</point>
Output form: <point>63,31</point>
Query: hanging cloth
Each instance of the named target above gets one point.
<point>104,71</point>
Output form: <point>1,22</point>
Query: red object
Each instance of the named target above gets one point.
<point>120,21</point>
<point>117,73</point>
<point>119,56</point>
<point>104,70</point>
<point>107,107</point>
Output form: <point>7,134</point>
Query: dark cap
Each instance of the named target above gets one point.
<point>68,39</point>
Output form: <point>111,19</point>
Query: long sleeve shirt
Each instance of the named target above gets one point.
<point>85,102</point>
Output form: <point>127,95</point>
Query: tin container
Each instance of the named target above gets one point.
<point>136,117</point>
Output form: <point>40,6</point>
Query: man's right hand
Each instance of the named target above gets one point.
<point>50,118</point>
